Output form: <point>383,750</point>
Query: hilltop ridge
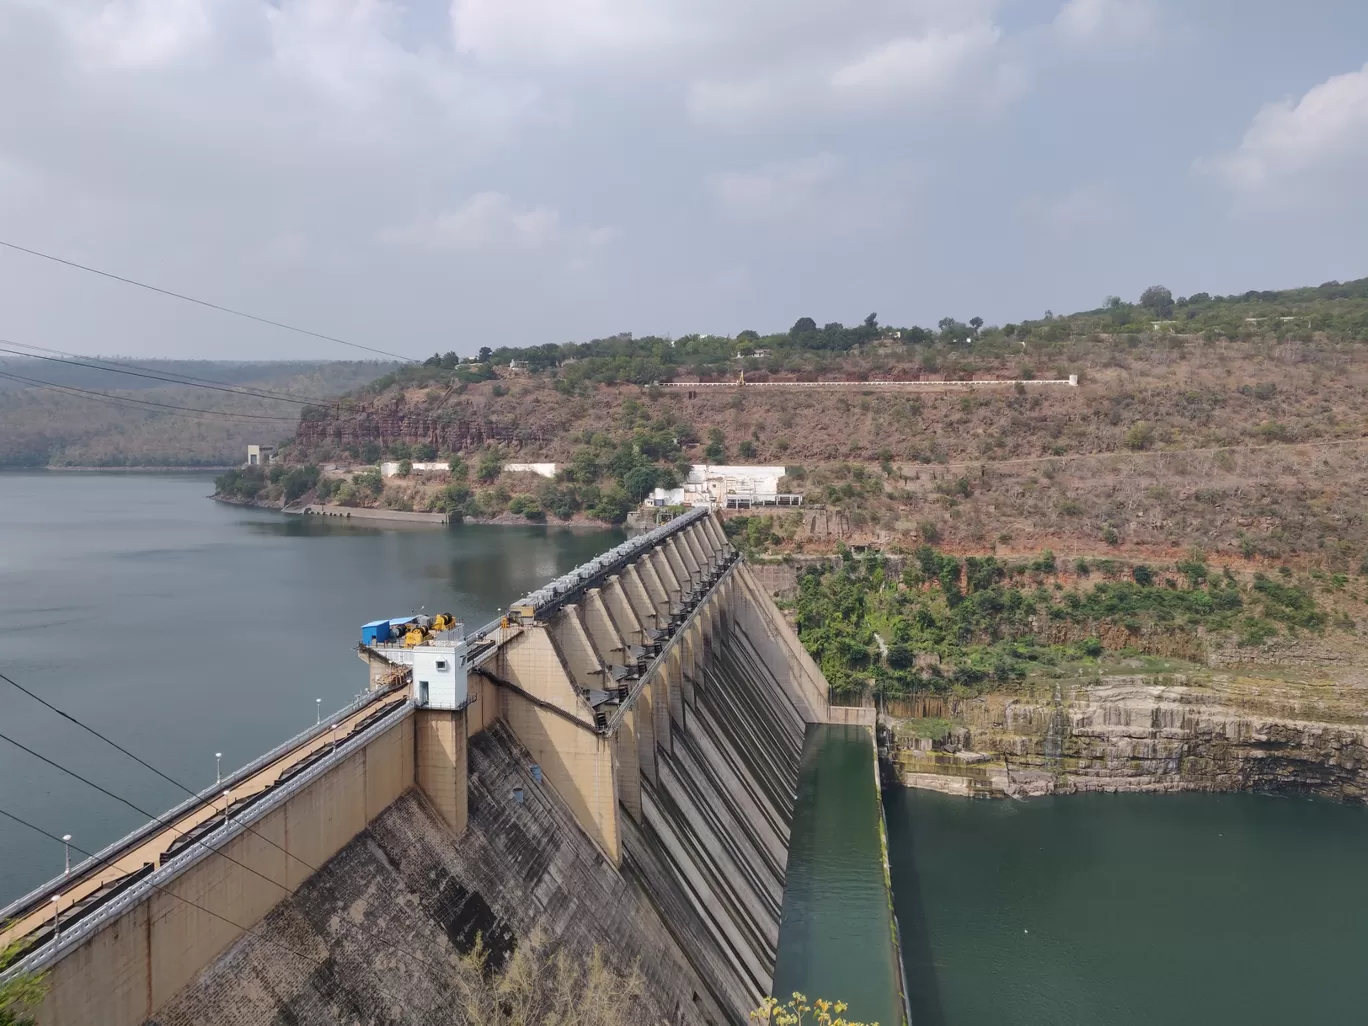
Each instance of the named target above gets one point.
<point>1240,432</point>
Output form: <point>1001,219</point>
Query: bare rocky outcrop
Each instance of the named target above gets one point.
<point>1223,732</point>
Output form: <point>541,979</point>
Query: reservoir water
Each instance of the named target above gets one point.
<point>181,628</point>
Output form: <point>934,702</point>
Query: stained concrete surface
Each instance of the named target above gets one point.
<point>368,939</point>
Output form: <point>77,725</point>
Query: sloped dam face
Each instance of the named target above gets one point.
<point>652,825</point>
<point>695,903</point>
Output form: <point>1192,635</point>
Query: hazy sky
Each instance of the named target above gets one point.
<point>432,176</point>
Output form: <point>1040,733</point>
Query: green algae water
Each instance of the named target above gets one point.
<point>1181,909</point>
<point>836,938</point>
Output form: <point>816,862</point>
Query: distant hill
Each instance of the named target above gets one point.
<point>1234,423</point>
<point>47,426</point>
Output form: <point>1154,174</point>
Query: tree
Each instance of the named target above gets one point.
<point>541,986</point>
<point>872,321</point>
<point>798,1012</point>
<point>491,464</point>
<point>748,336</point>
<point>953,330</point>
<point>485,354</point>
<point>716,452</point>
<point>1158,301</point>
<point>976,323</point>
<point>20,995</point>
<point>803,326</point>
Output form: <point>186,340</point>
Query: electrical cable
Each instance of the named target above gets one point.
<point>332,970</point>
<point>172,827</point>
<point>146,765</point>
<point>119,365</point>
<point>157,377</point>
<point>117,400</point>
<point>199,302</point>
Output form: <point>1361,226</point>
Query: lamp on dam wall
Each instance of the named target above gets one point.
<point>66,843</point>
<point>56,918</point>
<point>218,767</point>
<point>318,711</point>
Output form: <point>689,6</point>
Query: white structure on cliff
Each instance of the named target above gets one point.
<point>727,487</point>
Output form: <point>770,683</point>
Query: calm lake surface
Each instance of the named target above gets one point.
<point>182,627</point>
<point>1181,909</point>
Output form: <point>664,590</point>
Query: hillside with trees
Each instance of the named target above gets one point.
<point>1234,422</point>
<point>92,417</point>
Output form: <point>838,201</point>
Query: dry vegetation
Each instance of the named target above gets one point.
<point>1251,450</point>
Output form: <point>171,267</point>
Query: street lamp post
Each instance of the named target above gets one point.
<point>66,843</point>
<point>56,919</point>
<point>334,737</point>
<point>218,767</point>
<point>318,711</point>
<point>227,798</point>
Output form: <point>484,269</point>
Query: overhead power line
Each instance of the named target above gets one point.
<point>32,352</point>
<point>119,400</point>
<point>158,377</point>
<point>201,842</point>
<point>142,762</point>
<point>199,302</point>
<point>325,965</point>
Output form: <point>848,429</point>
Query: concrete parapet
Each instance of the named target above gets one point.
<point>162,934</point>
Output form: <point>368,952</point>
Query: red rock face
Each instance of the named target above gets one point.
<point>455,427</point>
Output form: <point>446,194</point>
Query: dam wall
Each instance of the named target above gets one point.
<point>622,780</point>
<point>117,968</point>
<point>385,923</point>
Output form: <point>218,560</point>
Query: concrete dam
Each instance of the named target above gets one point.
<point>613,763</point>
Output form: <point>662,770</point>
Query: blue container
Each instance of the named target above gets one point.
<point>375,631</point>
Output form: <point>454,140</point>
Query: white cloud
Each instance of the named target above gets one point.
<point>914,68</point>
<point>138,33</point>
<point>485,220</point>
<point>819,195</point>
<point>1092,23</point>
<point>779,192</point>
<point>908,72</point>
<point>1311,151</point>
<point>490,221</point>
<point>556,30</point>
<point>1085,207</point>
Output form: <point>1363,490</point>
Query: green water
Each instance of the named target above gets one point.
<point>1185,910</point>
<point>835,940</point>
<point>182,627</point>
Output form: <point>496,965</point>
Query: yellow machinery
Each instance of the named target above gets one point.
<point>416,636</point>
<point>443,622</point>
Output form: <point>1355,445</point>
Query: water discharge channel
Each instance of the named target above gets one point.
<point>836,939</point>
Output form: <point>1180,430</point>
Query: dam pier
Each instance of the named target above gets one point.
<point>613,762</point>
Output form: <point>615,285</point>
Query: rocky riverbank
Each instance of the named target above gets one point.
<point>1206,731</point>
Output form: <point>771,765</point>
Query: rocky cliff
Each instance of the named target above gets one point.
<point>1204,732</point>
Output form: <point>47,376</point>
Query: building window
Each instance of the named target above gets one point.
<point>441,664</point>
<point>422,693</point>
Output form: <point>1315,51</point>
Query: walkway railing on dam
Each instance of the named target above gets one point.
<point>98,890</point>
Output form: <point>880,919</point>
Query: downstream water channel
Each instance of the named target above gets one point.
<point>182,628</point>
<point>836,939</point>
